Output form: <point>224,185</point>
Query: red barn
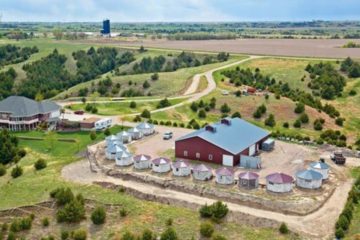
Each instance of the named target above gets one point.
<point>222,143</point>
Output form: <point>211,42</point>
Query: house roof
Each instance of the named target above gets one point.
<point>142,157</point>
<point>20,106</point>
<point>248,175</point>
<point>234,137</point>
<point>319,165</point>
<point>181,164</point>
<point>309,175</point>
<point>224,171</point>
<point>279,178</point>
<point>161,161</point>
<point>145,125</point>
<point>202,168</point>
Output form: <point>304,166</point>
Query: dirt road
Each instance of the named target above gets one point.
<point>324,218</point>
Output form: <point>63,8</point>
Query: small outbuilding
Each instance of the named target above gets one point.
<point>142,161</point>
<point>124,136</point>
<point>161,165</point>
<point>202,172</point>
<point>279,183</point>
<point>249,180</point>
<point>268,145</point>
<point>146,128</point>
<point>224,176</point>
<point>320,167</point>
<point>123,158</point>
<point>135,133</point>
<point>309,179</point>
<point>181,168</point>
<point>110,140</point>
<point>112,149</point>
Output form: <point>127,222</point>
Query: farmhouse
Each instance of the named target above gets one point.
<point>224,176</point>
<point>21,114</point>
<point>202,172</point>
<point>222,143</point>
<point>322,168</point>
<point>142,161</point>
<point>309,179</point>
<point>279,183</point>
<point>181,168</point>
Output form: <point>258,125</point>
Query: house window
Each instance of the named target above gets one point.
<point>210,157</point>
<point>197,155</point>
<point>185,153</point>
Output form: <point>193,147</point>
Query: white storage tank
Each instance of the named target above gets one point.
<point>142,161</point>
<point>123,158</point>
<point>322,168</point>
<point>181,168</point>
<point>309,179</point>
<point>279,183</point>
<point>161,165</point>
<point>202,172</point>
<point>146,128</point>
<point>224,176</point>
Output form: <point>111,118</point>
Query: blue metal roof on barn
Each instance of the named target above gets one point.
<point>233,137</point>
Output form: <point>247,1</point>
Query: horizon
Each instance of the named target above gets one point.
<point>157,11</point>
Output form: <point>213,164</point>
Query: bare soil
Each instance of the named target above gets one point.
<point>326,48</point>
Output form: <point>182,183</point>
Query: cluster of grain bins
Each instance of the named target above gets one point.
<point>116,150</point>
<point>136,133</point>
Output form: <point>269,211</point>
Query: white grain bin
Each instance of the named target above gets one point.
<point>142,161</point>
<point>320,167</point>
<point>224,176</point>
<point>110,140</point>
<point>124,136</point>
<point>181,168</point>
<point>279,183</point>
<point>146,128</point>
<point>249,180</point>
<point>135,133</point>
<point>202,172</point>
<point>309,179</point>
<point>161,165</point>
<point>113,149</point>
<point>123,158</point>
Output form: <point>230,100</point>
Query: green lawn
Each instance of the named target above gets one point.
<point>121,108</point>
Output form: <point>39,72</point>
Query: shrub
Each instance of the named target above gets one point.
<point>72,212</point>
<point>40,164</point>
<point>147,235</point>
<point>225,108</point>
<point>137,118</point>
<point>94,110</point>
<point>205,211</point>
<point>45,222</point>
<point>128,236</point>
<point>297,123</point>
<point>92,135</point>
<point>202,114</point>
<point>2,170</point>
<point>219,210</point>
<point>236,115</point>
<point>146,84</point>
<point>299,108</point>
<point>145,114</point>
<point>64,235</point>
<point>79,234</point>
<point>352,92</point>
<point>318,126</point>
<point>257,114</point>
<point>339,121</point>
<point>11,236</point>
<point>283,228</point>
<point>169,222</point>
<point>62,195</point>
<point>304,118</point>
<point>218,237</point>
<point>343,223</point>
<point>107,132</point>
<point>206,229</point>
<point>155,76</point>
<point>163,103</point>
<point>132,104</point>
<point>98,216</point>
<point>123,212</point>
<point>21,224</point>
<point>270,121</point>
<point>339,233</point>
<point>22,153</point>
<point>17,171</point>
<point>286,125</point>
<point>194,106</point>
<point>169,234</point>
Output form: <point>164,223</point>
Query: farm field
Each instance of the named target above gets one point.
<point>326,48</point>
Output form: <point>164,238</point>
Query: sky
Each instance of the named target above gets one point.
<point>178,10</point>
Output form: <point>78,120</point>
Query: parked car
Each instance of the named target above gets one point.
<point>338,157</point>
<point>167,135</point>
<point>79,112</point>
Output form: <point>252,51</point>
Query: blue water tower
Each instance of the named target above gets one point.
<point>106,27</point>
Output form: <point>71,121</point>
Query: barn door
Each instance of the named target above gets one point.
<point>228,160</point>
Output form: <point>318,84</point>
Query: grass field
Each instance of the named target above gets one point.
<point>34,186</point>
<point>121,108</point>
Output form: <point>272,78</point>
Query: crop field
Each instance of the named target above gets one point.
<point>326,48</point>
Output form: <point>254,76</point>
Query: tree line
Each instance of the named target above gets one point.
<point>11,54</point>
